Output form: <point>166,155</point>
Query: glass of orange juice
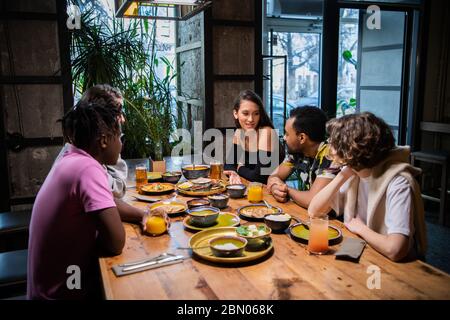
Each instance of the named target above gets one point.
<point>318,235</point>
<point>156,223</point>
<point>255,192</point>
<point>141,176</point>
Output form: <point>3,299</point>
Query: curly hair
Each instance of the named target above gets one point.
<point>360,140</point>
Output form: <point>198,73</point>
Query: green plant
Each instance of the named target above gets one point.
<point>123,55</point>
<point>150,120</point>
<point>105,51</point>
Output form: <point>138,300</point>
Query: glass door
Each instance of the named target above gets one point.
<point>371,65</point>
<point>302,68</point>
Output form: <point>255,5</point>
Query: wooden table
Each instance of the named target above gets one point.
<point>289,273</point>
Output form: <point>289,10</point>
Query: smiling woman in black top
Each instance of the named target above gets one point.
<point>256,148</point>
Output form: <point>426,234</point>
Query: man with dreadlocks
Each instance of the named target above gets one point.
<point>75,215</point>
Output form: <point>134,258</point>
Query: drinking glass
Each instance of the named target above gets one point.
<point>216,168</point>
<point>255,192</point>
<point>141,176</point>
<point>318,235</point>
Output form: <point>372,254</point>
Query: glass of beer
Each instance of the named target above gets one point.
<point>216,170</point>
<point>255,192</point>
<point>141,176</point>
<point>318,235</point>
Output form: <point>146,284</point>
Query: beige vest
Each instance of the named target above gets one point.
<point>396,163</point>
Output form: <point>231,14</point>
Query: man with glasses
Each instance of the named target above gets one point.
<point>308,151</point>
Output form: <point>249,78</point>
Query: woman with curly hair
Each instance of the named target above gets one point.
<point>375,190</point>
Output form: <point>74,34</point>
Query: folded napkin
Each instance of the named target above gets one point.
<point>351,249</point>
<point>164,259</point>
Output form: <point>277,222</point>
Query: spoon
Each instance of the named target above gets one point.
<point>268,205</point>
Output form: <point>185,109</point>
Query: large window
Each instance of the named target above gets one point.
<point>293,57</point>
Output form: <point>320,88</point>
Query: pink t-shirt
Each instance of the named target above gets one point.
<point>63,227</point>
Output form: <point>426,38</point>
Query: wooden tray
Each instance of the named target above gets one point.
<point>200,244</point>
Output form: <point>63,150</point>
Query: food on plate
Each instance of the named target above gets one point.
<point>203,212</point>
<point>252,230</point>
<point>169,207</point>
<point>185,185</point>
<point>257,211</point>
<point>201,181</point>
<point>278,217</point>
<point>156,187</point>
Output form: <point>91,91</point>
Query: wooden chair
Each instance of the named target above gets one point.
<point>440,158</point>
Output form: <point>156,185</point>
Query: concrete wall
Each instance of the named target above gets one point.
<point>29,48</point>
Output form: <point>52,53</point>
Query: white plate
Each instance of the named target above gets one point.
<point>146,198</point>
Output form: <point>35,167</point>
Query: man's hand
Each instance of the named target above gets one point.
<point>280,192</point>
<point>273,180</point>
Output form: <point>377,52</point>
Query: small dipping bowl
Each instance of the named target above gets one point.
<point>219,200</point>
<point>171,177</point>
<point>278,222</point>
<point>196,203</point>
<point>227,246</point>
<point>236,190</point>
<point>203,216</point>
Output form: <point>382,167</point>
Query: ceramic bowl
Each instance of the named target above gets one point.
<point>227,246</point>
<point>203,216</point>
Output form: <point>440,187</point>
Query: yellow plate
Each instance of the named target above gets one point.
<point>225,219</point>
<point>172,206</point>
<point>157,187</point>
<point>201,242</point>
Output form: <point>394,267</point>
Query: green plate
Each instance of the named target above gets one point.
<point>300,232</point>
<point>200,244</point>
<point>225,219</point>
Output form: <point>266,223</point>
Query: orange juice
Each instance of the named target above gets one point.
<point>318,235</point>
<point>255,192</point>
<point>141,177</point>
<point>155,225</point>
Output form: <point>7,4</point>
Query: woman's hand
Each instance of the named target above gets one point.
<point>356,225</point>
<point>347,172</point>
<point>233,176</point>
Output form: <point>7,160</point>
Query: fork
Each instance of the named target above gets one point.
<point>161,256</point>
